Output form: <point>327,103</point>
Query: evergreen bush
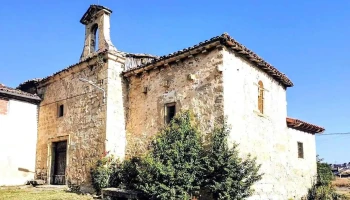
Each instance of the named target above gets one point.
<point>102,172</point>
<point>180,166</point>
<point>171,169</point>
<point>226,175</point>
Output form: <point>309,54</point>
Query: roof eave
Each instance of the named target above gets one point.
<point>34,99</point>
<point>84,19</point>
<point>100,53</point>
<point>257,60</point>
<point>229,42</point>
<point>304,126</point>
<point>164,60</point>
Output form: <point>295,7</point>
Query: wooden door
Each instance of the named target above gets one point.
<point>60,150</point>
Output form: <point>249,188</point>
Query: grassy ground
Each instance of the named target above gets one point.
<point>31,193</point>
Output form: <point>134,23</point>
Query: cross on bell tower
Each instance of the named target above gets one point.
<point>97,30</point>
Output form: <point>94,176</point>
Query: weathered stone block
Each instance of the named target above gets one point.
<point>119,194</point>
<point>37,182</point>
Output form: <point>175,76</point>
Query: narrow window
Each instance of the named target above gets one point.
<point>94,38</point>
<point>170,111</point>
<point>60,111</point>
<point>300,150</point>
<point>97,39</point>
<point>261,97</point>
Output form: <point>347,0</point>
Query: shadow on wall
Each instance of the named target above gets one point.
<point>11,174</point>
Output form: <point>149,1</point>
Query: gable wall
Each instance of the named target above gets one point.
<point>203,95</point>
<point>265,136</point>
<point>83,123</point>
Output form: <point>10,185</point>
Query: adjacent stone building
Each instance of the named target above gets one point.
<point>18,129</point>
<point>112,102</point>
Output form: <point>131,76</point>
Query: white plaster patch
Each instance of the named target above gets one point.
<point>169,97</point>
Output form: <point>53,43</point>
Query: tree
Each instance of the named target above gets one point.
<point>179,166</point>
<point>324,173</point>
<point>171,169</point>
<point>226,175</point>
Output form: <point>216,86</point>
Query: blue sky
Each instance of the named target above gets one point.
<point>307,40</point>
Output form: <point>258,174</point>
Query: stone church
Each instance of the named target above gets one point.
<point>112,101</point>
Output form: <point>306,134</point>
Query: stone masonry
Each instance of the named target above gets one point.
<point>113,102</point>
<point>219,83</point>
<point>89,113</point>
<point>266,136</point>
<point>83,124</point>
<point>192,84</point>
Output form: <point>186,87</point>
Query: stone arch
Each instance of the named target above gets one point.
<point>94,39</point>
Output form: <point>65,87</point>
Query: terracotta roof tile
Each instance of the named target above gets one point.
<point>303,126</point>
<point>241,50</point>
<point>15,93</point>
<point>92,56</point>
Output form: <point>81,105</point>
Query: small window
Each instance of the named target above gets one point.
<point>170,111</point>
<point>60,111</point>
<point>261,97</point>
<point>300,150</point>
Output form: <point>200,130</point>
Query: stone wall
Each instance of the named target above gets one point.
<point>83,124</point>
<point>93,44</point>
<point>193,84</point>
<point>18,127</point>
<point>266,136</point>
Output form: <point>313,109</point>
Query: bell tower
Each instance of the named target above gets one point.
<point>97,31</point>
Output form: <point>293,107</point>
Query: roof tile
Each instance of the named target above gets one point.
<point>241,50</point>
<point>303,126</point>
<point>17,93</point>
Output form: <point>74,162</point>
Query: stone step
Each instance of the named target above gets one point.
<point>119,194</point>
<point>36,182</point>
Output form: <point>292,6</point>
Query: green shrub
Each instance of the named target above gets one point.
<point>180,166</point>
<point>171,169</point>
<point>226,175</point>
<point>322,188</point>
<point>126,175</point>
<point>102,172</point>
<point>324,173</point>
<point>323,192</point>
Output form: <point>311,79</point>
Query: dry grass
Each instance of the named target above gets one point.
<point>341,182</point>
<point>30,193</point>
<point>343,191</point>
<point>342,186</point>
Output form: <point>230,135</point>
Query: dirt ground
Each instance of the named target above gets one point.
<point>40,193</point>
